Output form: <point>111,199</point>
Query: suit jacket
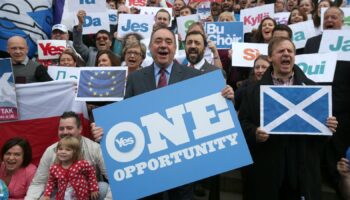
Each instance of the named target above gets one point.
<point>143,80</point>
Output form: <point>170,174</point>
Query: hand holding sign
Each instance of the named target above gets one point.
<point>261,135</point>
<point>81,14</point>
<point>343,166</point>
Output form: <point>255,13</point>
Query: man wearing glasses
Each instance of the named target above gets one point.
<point>103,41</point>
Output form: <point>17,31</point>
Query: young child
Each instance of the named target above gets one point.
<point>74,178</point>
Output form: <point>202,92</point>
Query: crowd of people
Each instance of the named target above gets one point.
<point>285,166</point>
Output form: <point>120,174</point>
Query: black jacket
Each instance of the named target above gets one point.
<point>283,159</point>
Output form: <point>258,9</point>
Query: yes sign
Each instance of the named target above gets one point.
<point>50,49</point>
<point>170,137</point>
<point>336,41</point>
<point>244,54</point>
<point>130,23</point>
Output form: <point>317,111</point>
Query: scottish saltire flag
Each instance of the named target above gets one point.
<point>31,19</point>
<point>102,84</point>
<point>301,110</point>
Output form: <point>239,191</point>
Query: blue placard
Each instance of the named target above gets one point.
<point>295,109</point>
<point>348,154</point>
<point>159,140</point>
<point>224,33</point>
<point>8,97</point>
<point>6,67</point>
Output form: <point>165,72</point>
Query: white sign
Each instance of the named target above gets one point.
<point>87,5</point>
<point>135,23</point>
<point>113,16</point>
<point>281,17</point>
<point>244,54</point>
<point>319,67</point>
<point>153,11</point>
<point>50,49</point>
<point>184,22</point>
<point>251,17</point>
<point>95,21</point>
<point>62,73</point>
<point>336,41</point>
<point>301,32</point>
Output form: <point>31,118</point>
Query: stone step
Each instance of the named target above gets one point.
<point>231,186</point>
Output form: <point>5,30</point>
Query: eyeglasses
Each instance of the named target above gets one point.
<point>132,53</point>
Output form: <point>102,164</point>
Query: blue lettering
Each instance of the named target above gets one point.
<point>87,2</point>
<point>135,27</point>
<point>88,21</point>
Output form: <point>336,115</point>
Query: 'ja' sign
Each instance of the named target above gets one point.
<point>336,41</point>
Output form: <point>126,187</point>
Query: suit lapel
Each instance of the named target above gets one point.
<point>149,79</point>
<point>176,73</point>
<point>205,66</point>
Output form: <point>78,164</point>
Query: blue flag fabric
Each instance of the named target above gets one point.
<point>295,109</point>
<point>31,19</point>
<point>102,83</point>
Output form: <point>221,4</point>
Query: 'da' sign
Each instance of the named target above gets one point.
<point>50,49</point>
<point>62,73</point>
<point>162,145</point>
<point>224,33</point>
<point>336,41</point>
<point>130,23</point>
<point>95,21</point>
<point>244,54</point>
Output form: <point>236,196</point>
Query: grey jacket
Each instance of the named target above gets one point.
<point>87,53</point>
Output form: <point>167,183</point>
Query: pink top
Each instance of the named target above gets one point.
<point>20,181</point>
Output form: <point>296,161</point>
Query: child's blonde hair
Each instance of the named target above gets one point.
<point>72,143</point>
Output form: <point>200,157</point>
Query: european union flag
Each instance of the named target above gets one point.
<point>102,84</point>
<point>299,110</point>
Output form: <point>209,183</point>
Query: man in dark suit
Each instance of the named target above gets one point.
<point>285,166</point>
<point>162,72</point>
<point>162,47</point>
<point>340,141</point>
